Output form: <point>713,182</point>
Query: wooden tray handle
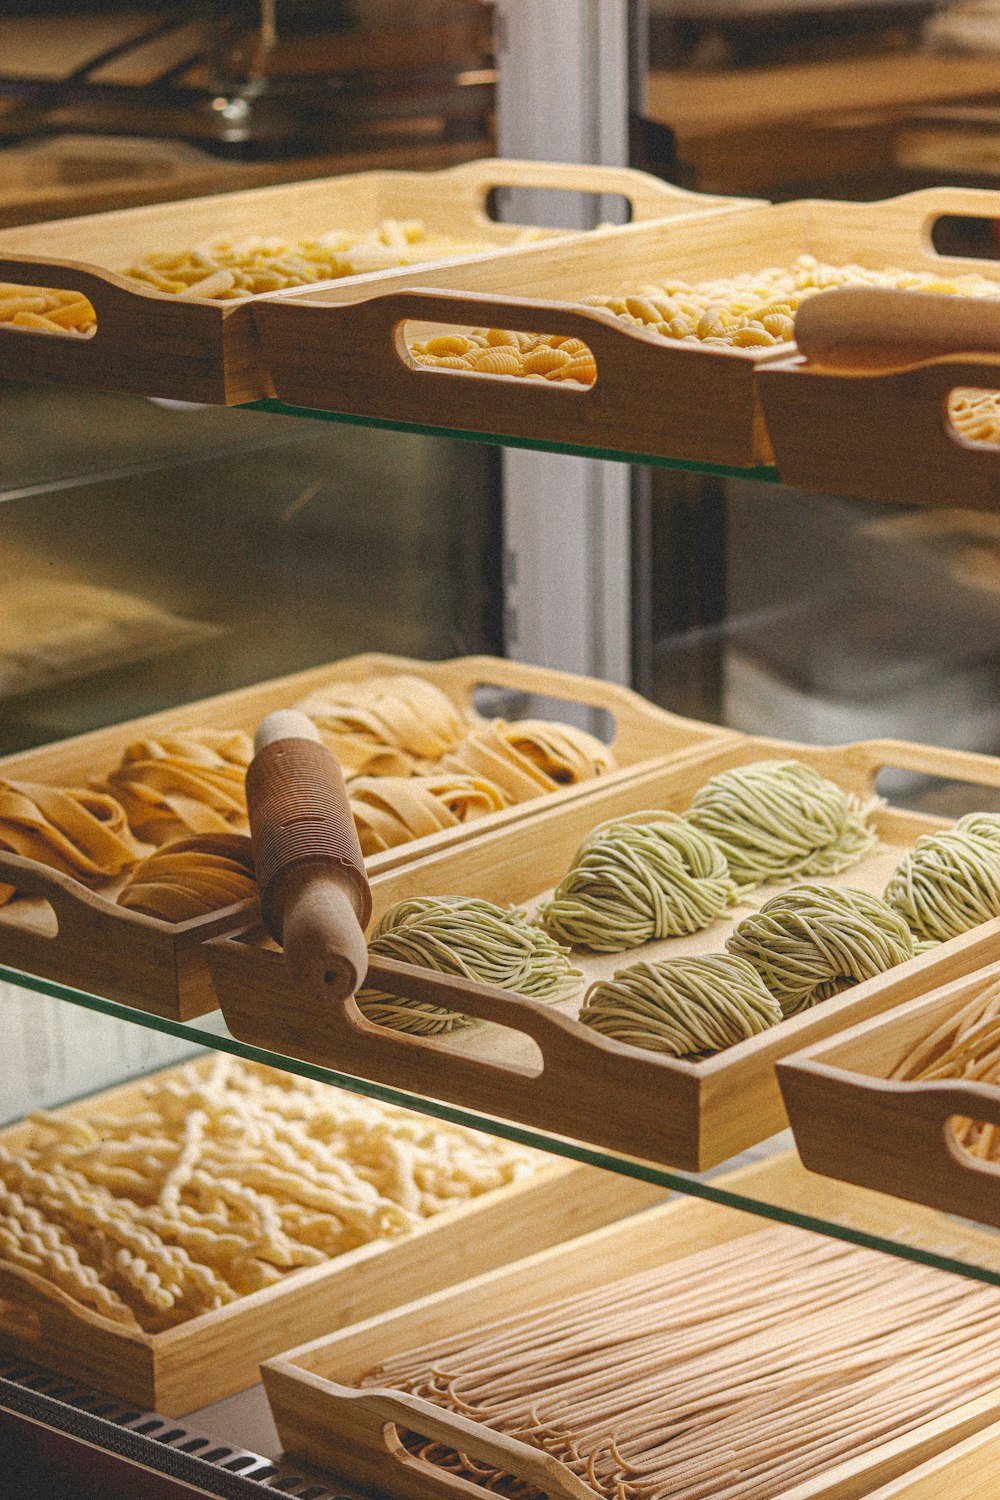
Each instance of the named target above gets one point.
<point>314,893</point>
<point>36,1311</point>
<point>920,211</point>
<point>379,1408</point>
<point>649,197</point>
<point>377,327</point>
<point>80,912</point>
<point>872,756</point>
<point>866,330</point>
<point>111,296</point>
<point>928,1109</point>
<point>625,706</point>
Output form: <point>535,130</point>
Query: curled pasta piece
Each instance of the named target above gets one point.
<point>76,831</point>
<point>385,725</point>
<point>192,877</point>
<point>190,781</point>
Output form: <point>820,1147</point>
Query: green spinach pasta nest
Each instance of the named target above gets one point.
<point>685,1007</point>
<point>473,938</point>
<point>774,819</point>
<point>816,940</point>
<point>949,882</point>
<point>983,825</point>
<point>637,879</point>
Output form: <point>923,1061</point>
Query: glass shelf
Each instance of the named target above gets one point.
<point>762,474</point>
<point>795,1197</point>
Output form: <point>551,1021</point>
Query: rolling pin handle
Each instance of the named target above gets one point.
<point>314,893</point>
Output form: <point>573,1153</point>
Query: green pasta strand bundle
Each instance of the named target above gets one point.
<point>814,941</point>
<point>776,819</point>
<point>475,939</point>
<point>983,825</point>
<point>635,880</point>
<point>949,882</point>
<point>684,1007</point>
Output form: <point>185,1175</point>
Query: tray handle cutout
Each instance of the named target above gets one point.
<point>648,197</point>
<point>383,1411</point>
<point>79,911</point>
<point>868,759</point>
<point>919,212</point>
<point>106,292</point>
<point>925,1112</point>
<point>618,713</point>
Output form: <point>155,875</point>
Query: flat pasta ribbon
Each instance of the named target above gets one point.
<point>74,830</point>
<point>530,757</point>
<point>189,781</point>
<point>192,877</point>
<point>385,726</point>
<point>392,810</point>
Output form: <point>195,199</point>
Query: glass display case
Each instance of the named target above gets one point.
<point>182,552</point>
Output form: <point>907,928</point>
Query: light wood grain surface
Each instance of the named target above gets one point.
<point>323,1417</point>
<point>538,1064</point>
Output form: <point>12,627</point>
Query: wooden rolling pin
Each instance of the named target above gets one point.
<point>314,895</point>
<point>868,329</point>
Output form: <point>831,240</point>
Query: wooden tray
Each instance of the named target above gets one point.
<point>652,396</point>
<point>881,366</point>
<point>196,349</point>
<point>323,1417</point>
<point>157,966</point>
<point>852,1122</point>
<point>559,1075</point>
<point>217,1353</point>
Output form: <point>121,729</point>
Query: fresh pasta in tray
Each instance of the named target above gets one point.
<point>228,1178</point>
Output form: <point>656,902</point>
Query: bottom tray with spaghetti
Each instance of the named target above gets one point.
<point>699,1085</point>
<point>909,1103</point>
<point>692,1353</point>
<point>158,1240</point>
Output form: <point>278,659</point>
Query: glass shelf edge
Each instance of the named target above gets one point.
<point>658,1176</point>
<point>761,474</point>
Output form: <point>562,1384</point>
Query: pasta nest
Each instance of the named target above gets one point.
<point>76,831</point>
<point>949,882</point>
<point>635,880</point>
<point>814,941</point>
<point>529,757</point>
<point>190,781</point>
<point>385,726</point>
<point>684,1007</point>
<point>777,819</point>
<point>391,810</point>
<point>474,939</point>
<point>192,877</point>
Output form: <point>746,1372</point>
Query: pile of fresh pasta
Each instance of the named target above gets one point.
<point>44,310</point>
<point>734,1373</point>
<point>753,310</point>
<point>657,875</point>
<point>224,269</point>
<point>227,1178</point>
<point>965,1046</point>
<point>171,818</point>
